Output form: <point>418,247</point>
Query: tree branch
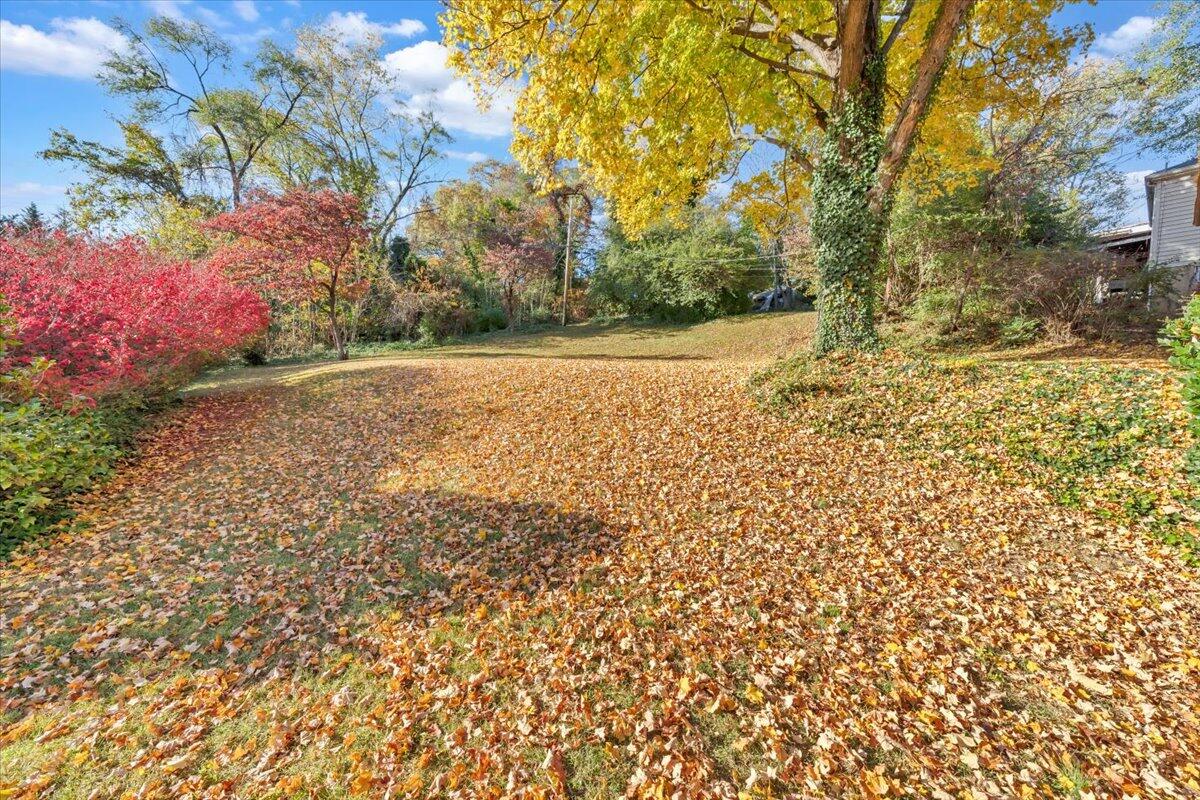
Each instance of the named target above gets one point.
<point>736,134</point>
<point>824,55</point>
<point>852,35</point>
<point>780,66</point>
<point>894,33</point>
<point>946,26</point>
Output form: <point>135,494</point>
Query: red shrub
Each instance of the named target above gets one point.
<point>114,316</point>
<point>296,246</point>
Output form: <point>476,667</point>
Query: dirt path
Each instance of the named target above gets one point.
<point>487,575</point>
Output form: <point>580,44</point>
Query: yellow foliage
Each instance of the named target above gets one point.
<point>656,100</point>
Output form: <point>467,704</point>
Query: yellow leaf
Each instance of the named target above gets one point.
<point>362,782</point>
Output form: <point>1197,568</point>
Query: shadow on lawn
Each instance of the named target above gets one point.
<point>261,539</point>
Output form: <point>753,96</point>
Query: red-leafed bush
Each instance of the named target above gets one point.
<point>296,246</point>
<point>113,316</point>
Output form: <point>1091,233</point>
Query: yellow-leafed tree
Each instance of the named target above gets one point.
<point>655,99</point>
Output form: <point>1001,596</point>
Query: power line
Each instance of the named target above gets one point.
<point>769,257</point>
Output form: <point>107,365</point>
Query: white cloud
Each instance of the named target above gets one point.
<point>250,38</point>
<point>1127,37</point>
<point>1135,196</point>
<point>354,27</point>
<point>405,28</point>
<point>457,109</point>
<point>211,17</point>
<point>473,157</point>
<point>245,9</point>
<point>421,67</point>
<point>32,189</point>
<point>73,48</point>
<point>167,8</point>
<point>15,196</point>
<point>430,85</point>
<point>175,10</point>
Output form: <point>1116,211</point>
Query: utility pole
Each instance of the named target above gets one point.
<point>567,259</point>
<point>778,268</point>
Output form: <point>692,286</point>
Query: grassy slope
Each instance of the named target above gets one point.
<point>1108,435</point>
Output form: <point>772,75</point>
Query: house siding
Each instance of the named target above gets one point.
<point>1175,241</point>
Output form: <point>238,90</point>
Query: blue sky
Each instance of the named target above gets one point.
<point>49,51</point>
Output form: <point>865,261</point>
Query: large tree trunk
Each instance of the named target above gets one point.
<point>853,183</point>
<point>847,227</point>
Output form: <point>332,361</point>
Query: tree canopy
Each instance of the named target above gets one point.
<point>300,245</point>
<point>323,114</point>
<point>656,100</point>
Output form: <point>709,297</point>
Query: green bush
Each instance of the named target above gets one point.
<point>488,319</point>
<point>703,270</point>
<point>47,454</point>
<point>1020,330</point>
<point>1182,336</point>
<point>444,321</point>
<point>936,311</point>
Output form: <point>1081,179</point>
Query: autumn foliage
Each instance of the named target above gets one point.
<point>113,316</point>
<point>301,245</point>
<point>518,252</point>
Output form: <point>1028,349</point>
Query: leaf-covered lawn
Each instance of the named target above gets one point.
<point>584,568</point>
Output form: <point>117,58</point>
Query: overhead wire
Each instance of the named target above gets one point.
<point>768,257</point>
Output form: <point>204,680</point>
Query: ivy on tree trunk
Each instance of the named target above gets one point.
<point>847,227</point>
<point>847,232</point>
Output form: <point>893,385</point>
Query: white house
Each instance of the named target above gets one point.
<point>1174,209</point>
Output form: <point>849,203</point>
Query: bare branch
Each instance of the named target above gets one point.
<point>780,66</point>
<point>818,48</point>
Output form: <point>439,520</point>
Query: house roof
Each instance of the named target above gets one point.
<point>1182,168</point>
<point>1117,238</point>
<point>1120,234</point>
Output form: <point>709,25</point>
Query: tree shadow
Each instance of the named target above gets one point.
<point>253,534</point>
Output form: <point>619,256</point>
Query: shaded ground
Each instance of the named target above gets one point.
<point>583,565</point>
